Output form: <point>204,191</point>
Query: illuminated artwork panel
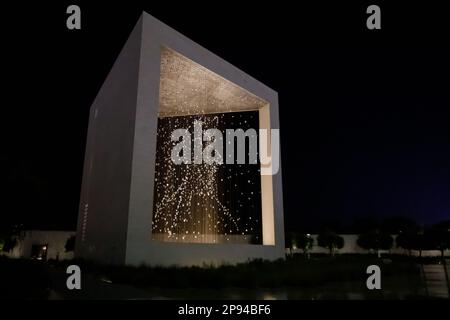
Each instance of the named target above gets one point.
<point>206,203</point>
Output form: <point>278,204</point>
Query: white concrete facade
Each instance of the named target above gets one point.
<point>116,206</point>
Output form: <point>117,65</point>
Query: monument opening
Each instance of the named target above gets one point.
<point>204,203</point>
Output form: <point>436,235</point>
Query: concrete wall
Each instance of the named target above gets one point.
<point>54,240</point>
<point>140,248</point>
<point>103,212</point>
<point>351,247</point>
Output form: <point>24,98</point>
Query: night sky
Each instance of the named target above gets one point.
<point>364,114</point>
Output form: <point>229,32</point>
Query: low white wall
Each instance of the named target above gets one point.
<point>55,241</point>
<point>351,246</point>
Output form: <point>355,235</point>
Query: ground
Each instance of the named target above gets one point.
<point>321,277</point>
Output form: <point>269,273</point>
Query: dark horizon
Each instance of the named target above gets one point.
<point>364,118</point>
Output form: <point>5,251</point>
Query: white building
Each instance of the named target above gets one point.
<point>42,245</point>
<point>161,73</point>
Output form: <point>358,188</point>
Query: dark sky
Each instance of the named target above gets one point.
<point>364,114</point>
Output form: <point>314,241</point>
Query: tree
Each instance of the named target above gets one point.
<point>330,240</point>
<point>407,241</point>
<point>375,240</point>
<point>305,242</point>
<point>70,244</point>
<point>9,244</point>
<point>439,236</point>
<point>299,241</point>
<point>289,241</point>
<point>10,237</point>
<point>415,239</point>
<point>363,225</point>
<point>398,225</point>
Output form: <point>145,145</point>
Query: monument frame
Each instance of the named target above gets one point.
<point>116,205</point>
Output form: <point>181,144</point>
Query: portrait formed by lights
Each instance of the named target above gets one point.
<point>203,203</point>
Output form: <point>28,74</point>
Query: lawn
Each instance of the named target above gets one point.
<point>321,277</point>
